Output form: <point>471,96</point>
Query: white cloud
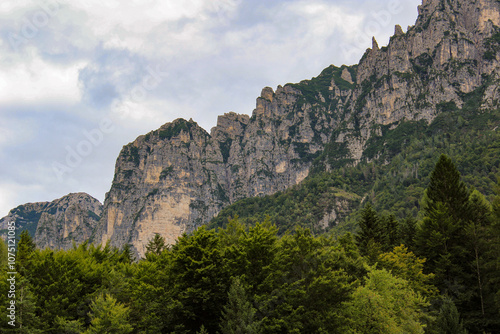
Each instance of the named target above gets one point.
<point>36,80</point>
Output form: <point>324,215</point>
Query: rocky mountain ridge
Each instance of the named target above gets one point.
<point>58,224</point>
<point>174,179</point>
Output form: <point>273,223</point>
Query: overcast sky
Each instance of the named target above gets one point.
<point>80,79</point>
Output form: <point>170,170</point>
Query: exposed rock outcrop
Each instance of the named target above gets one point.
<point>178,177</point>
<point>58,224</point>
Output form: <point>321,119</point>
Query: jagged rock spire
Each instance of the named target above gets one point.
<point>398,30</point>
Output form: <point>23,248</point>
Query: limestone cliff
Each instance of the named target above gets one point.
<point>57,224</point>
<point>451,52</point>
<point>178,177</point>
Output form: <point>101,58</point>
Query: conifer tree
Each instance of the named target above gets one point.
<point>492,281</point>
<point>203,330</point>
<point>448,321</point>
<point>156,245</point>
<point>441,237</point>
<point>127,254</point>
<point>392,232</point>
<point>446,187</point>
<point>371,238</point>
<point>25,249</point>
<point>407,232</point>
<point>238,315</point>
<point>26,317</point>
<point>477,238</point>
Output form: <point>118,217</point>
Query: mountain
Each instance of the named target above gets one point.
<point>311,152</point>
<point>57,224</point>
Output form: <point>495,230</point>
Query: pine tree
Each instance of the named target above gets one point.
<point>492,279</point>
<point>446,187</point>
<point>392,232</point>
<point>441,237</point>
<point>448,321</point>
<point>203,330</point>
<point>27,320</point>
<point>407,232</point>
<point>127,254</point>
<point>25,249</point>
<point>371,238</point>
<point>156,245</point>
<point>480,211</point>
<point>238,315</point>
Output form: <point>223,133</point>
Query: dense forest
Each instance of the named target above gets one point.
<point>437,274</point>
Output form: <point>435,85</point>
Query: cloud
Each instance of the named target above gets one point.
<point>36,80</point>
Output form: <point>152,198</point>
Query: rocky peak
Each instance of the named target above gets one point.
<point>230,126</point>
<point>375,44</point>
<point>267,94</point>
<point>58,224</point>
<point>398,31</point>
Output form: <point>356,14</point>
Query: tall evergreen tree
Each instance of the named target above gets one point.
<point>371,238</point>
<point>392,232</point>
<point>448,321</point>
<point>26,317</point>
<point>238,315</point>
<point>492,280</point>
<point>477,242</point>
<point>156,245</point>
<point>407,232</point>
<point>25,249</point>
<point>441,236</point>
<point>446,187</point>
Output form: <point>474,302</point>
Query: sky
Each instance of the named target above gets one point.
<point>81,79</point>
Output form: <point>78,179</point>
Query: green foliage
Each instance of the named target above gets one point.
<point>372,237</point>
<point>156,245</point>
<point>238,316</point>
<point>131,153</point>
<point>394,175</point>
<point>385,304</point>
<point>251,278</point>
<point>108,317</point>
<point>25,249</point>
<point>392,141</point>
<point>304,205</point>
<point>447,188</point>
<point>63,283</point>
<point>306,287</point>
<point>492,46</point>
<point>320,85</point>
<point>174,129</point>
<point>404,264</point>
<point>448,321</point>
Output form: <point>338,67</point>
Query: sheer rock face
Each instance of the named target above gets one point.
<point>178,177</point>
<point>57,224</point>
<point>447,54</point>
